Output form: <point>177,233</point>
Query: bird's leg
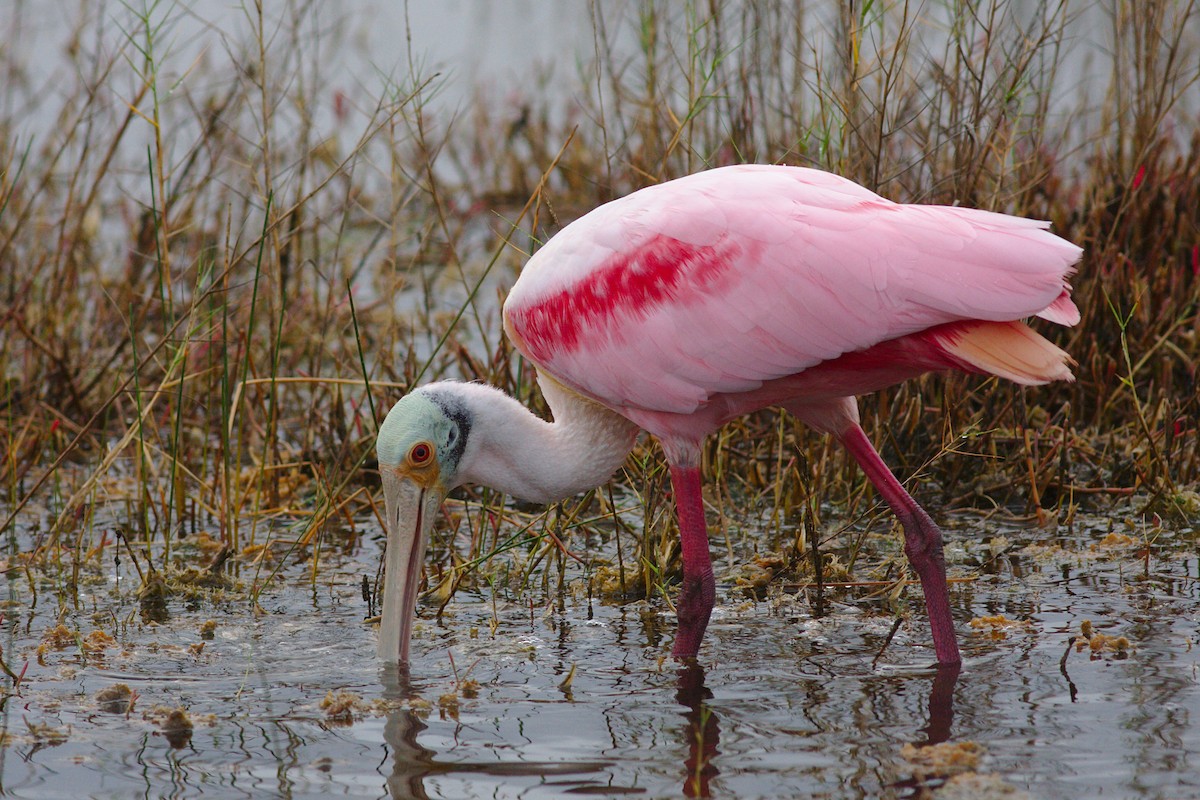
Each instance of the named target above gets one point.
<point>922,541</point>
<point>699,591</point>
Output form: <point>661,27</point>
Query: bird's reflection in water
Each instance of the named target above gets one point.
<point>941,704</point>
<point>936,731</point>
<point>702,731</point>
<point>412,762</point>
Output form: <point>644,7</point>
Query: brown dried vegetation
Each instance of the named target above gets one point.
<point>210,293</point>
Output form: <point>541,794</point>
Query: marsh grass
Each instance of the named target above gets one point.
<point>219,271</point>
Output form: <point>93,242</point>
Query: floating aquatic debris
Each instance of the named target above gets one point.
<point>1115,541</point>
<point>116,699</point>
<point>946,758</point>
<point>448,704</point>
<point>1099,643</point>
<point>177,727</point>
<point>340,707</point>
<point>96,642</point>
<point>46,734</point>
<point>997,626</point>
<point>977,786</point>
<point>60,637</point>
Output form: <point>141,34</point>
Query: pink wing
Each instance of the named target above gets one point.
<point>720,281</point>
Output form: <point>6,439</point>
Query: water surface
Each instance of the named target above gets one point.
<point>782,704</point>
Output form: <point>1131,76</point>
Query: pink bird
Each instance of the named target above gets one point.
<point>685,305</point>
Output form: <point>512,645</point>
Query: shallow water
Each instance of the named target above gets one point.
<point>783,705</point>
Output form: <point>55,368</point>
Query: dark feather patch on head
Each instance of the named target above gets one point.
<point>456,411</point>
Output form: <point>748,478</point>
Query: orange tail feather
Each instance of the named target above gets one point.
<point>1010,350</point>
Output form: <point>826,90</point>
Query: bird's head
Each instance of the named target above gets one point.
<point>420,446</point>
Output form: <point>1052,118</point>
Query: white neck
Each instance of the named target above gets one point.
<point>511,449</point>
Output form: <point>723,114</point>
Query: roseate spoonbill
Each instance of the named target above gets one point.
<point>684,305</point>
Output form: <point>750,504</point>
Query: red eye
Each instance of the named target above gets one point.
<point>420,453</point>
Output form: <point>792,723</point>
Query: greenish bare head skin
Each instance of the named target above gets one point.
<point>420,445</point>
<point>432,416</point>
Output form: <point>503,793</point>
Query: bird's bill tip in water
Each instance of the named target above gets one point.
<point>409,508</point>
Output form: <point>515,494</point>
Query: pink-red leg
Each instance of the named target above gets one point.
<point>922,542</point>
<point>699,591</point>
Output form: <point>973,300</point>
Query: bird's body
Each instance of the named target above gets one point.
<point>685,305</point>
